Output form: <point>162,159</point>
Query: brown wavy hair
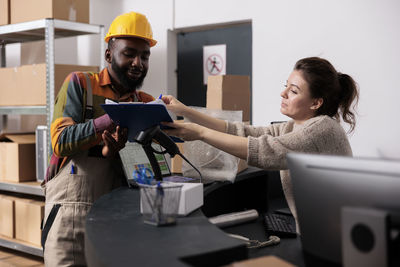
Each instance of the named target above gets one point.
<point>338,90</point>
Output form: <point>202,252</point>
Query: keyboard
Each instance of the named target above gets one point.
<point>280,225</point>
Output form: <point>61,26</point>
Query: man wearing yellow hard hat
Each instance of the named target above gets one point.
<point>85,163</point>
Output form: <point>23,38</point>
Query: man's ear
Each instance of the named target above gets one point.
<point>107,56</point>
<point>317,103</point>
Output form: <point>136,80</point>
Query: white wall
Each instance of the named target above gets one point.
<point>359,37</point>
<point>159,13</point>
<point>102,12</point>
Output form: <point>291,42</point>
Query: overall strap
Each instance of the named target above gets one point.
<point>89,98</point>
<point>49,223</point>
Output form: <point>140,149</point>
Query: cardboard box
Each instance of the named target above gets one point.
<point>229,92</point>
<point>176,162</point>
<point>27,10</point>
<point>242,165</point>
<point>28,217</point>
<point>262,262</point>
<point>4,12</point>
<point>17,157</point>
<point>7,216</point>
<point>26,85</point>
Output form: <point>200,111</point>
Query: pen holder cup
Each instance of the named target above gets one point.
<point>159,204</point>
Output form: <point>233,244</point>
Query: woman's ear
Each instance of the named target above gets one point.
<point>317,103</point>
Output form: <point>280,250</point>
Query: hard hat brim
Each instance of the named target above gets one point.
<point>151,42</point>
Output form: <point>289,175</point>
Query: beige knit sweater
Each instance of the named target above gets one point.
<point>269,145</point>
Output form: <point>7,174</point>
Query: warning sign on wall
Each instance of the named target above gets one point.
<point>214,60</point>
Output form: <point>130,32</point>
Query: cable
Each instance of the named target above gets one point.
<point>183,157</point>
<point>165,151</point>
<point>272,240</point>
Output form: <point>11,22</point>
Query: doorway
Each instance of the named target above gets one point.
<point>238,39</point>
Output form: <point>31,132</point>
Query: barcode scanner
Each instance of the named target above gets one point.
<point>146,137</point>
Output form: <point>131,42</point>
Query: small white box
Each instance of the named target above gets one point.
<point>191,198</point>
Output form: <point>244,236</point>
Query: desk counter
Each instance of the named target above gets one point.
<point>117,236</point>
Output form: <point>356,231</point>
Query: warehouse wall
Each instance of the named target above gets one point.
<point>359,37</point>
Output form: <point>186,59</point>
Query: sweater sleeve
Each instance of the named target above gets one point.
<point>269,152</point>
<point>319,135</point>
<point>241,129</point>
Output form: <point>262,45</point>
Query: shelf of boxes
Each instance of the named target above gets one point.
<point>48,30</point>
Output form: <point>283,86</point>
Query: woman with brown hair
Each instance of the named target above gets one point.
<point>316,97</point>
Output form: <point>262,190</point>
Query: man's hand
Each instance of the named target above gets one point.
<point>114,142</point>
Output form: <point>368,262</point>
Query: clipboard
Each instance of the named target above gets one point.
<point>138,117</point>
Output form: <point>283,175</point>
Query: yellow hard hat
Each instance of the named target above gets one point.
<point>131,24</point>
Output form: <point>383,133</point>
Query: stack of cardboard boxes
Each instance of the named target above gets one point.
<point>17,154</point>
<point>73,10</point>
<point>4,12</point>
<point>7,218</point>
<point>224,92</point>
<point>26,85</point>
<point>21,215</point>
<point>21,218</point>
<point>15,11</point>
<point>230,92</point>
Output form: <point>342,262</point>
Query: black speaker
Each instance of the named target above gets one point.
<point>365,237</point>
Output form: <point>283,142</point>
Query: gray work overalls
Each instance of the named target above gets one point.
<point>69,197</point>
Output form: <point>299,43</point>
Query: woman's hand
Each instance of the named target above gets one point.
<point>114,142</point>
<point>187,131</point>
<point>174,105</point>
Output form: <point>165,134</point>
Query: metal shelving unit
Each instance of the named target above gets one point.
<point>29,188</point>
<point>20,246</point>
<point>11,110</point>
<point>48,30</point>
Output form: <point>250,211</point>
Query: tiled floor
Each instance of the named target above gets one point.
<point>11,258</point>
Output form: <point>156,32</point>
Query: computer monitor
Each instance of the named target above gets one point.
<point>322,185</point>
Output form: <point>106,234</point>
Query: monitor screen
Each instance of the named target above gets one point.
<point>133,158</point>
<point>322,185</point>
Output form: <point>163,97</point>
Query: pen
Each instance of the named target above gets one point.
<point>160,96</point>
<point>72,169</point>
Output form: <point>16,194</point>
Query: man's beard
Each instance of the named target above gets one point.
<point>125,81</point>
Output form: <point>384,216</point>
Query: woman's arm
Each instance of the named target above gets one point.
<point>193,115</point>
<point>231,144</point>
